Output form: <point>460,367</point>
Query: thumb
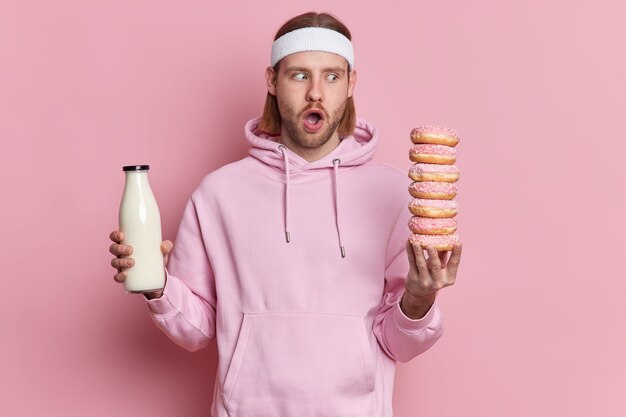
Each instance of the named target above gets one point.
<point>166,248</point>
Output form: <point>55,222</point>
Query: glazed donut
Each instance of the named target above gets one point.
<point>433,189</point>
<point>440,242</point>
<point>435,134</point>
<point>433,154</point>
<point>434,172</point>
<point>434,208</point>
<point>430,226</point>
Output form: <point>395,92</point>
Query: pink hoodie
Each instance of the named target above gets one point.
<point>301,330</point>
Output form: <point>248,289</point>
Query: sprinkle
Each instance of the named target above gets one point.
<point>429,148</point>
<point>438,130</point>
<point>425,240</point>
<point>423,202</point>
<point>434,187</point>
<point>423,167</point>
<point>428,223</point>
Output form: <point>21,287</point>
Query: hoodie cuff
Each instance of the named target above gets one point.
<point>408,325</point>
<point>166,303</point>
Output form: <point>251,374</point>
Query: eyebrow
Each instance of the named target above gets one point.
<point>332,69</point>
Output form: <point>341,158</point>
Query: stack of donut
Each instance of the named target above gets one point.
<point>433,190</point>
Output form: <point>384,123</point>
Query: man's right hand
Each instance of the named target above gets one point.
<point>122,261</point>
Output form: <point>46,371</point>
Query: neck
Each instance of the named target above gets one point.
<point>310,153</point>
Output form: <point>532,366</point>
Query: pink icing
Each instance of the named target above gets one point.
<point>422,167</point>
<point>424,202</point>
<point>439,130</point>
<point>434,239</point>
<point>427,223</point>
<point>434,187</point>
<point>429,148</point>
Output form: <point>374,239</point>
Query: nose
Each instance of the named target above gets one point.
<point>315,92</point>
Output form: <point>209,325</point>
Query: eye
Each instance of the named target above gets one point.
<point>299,76</point>
<point>332,77</point>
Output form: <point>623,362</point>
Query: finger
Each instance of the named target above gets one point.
<point>443,256</point>
<point>120,250</point>
<point>411,255</point>
<point>166,247</point>
<point>434,265</point>
<point>120,276</point>
<point>121,263</point>
<point>420,261</point>
<point>453,262</point>
<point>116,236</point>
<point>433,261</point>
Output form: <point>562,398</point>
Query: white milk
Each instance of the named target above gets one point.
<point>140,221</point>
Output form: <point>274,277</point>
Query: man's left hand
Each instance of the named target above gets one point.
<point>427,276</point>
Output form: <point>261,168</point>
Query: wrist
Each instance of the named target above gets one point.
<point>155,294</point>
<point>416,307</point>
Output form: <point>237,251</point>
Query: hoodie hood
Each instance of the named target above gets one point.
<point>353,150</point>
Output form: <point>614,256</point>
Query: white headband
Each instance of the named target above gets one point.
<point>312,39</point>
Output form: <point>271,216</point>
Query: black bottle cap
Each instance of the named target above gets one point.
<point>136,168</point>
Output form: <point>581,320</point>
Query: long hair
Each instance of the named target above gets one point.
<point>271,120</point>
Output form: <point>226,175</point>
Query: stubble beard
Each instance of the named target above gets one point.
<point>292,123</point>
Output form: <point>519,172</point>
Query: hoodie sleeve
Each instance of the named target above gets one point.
<point>186,310</point>
<point>401,337</point>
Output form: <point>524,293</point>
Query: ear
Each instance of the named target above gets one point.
<point>351,82</point>
<point>270,80</point>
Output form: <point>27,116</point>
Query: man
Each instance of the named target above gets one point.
<point>295,258</point>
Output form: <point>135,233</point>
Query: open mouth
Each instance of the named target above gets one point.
<point>313,120</point>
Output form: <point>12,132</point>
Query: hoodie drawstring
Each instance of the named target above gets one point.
<point>336,163</point>
<point>282,149</point>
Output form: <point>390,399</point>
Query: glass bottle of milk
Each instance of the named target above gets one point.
<point>140,221</point>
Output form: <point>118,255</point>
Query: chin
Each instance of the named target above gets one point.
<point>313,140</point>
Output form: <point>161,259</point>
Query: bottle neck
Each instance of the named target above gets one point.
<point>137,178</point>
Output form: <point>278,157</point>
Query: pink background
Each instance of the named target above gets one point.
<point>535,323</point>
